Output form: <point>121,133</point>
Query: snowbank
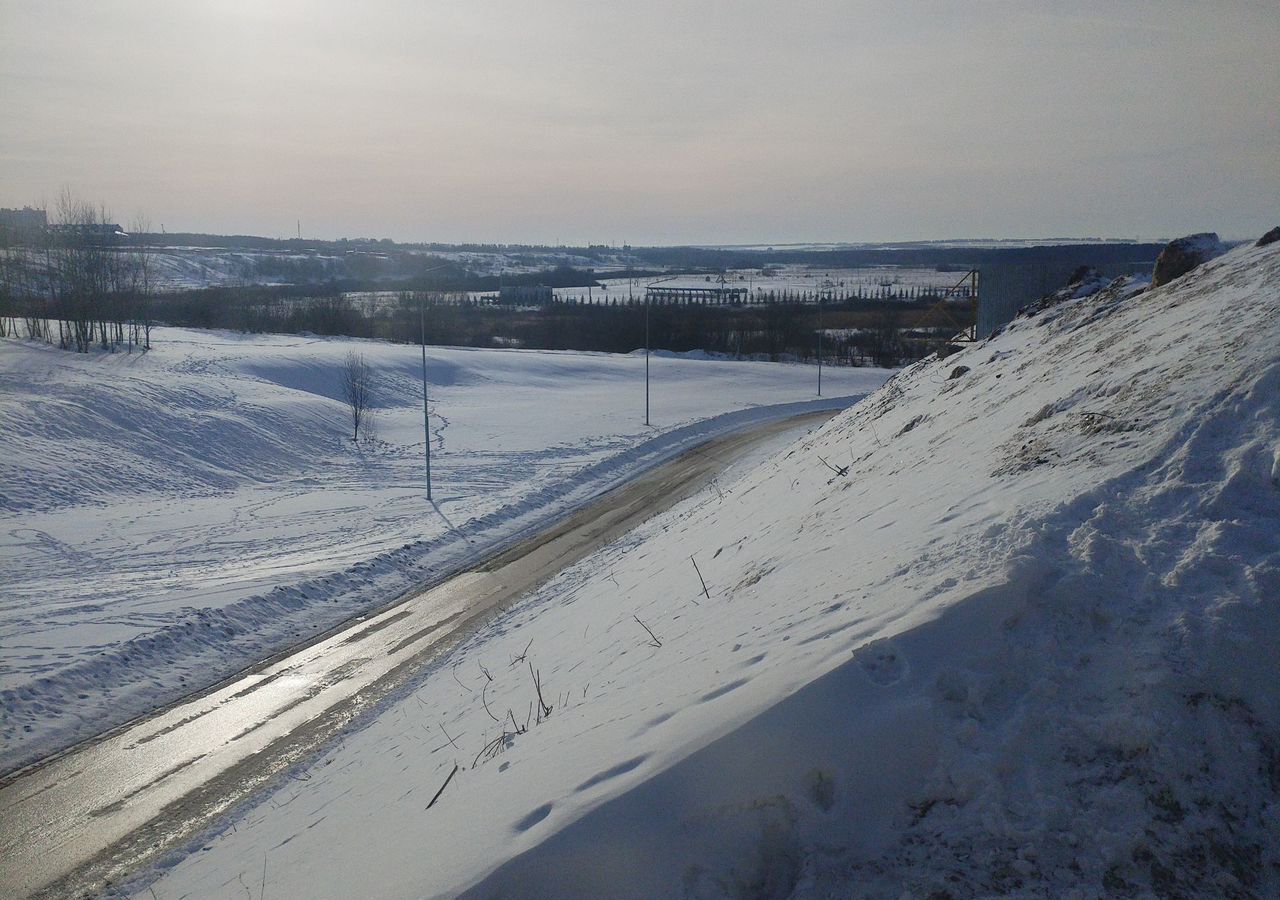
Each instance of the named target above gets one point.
<point>1011,632</point>
<point>171,517</point>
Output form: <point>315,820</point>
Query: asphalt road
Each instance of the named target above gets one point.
<point>85,818</point>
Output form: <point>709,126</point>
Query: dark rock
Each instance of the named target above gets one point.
<point>1269,238</point>
<point>948,349</point>
<point>1181,256</point>
<point>957,372</point>
<point>1082,274</point>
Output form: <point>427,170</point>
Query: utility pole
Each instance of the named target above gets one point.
<point>819,345</point>
<point>647,295</point>
<point>426,415</point>
<point>646,358</point>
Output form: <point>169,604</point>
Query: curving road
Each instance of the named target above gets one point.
<point>85,818</point>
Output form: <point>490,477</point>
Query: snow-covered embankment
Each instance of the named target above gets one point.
<point>1009,625</point>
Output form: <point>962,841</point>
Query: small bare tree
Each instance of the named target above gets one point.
<point>357,389</point>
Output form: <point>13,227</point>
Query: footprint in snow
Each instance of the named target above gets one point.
<point>533,818</point>
<point>621,768</point>
<point>881,661</point>
<point>654,723</point>
<point>722,690</point>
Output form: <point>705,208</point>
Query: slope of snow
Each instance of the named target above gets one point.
<point>1009,626</point>
<point>170,517</point>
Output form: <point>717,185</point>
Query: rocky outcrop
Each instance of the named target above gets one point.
<point>1269,238</point>
<point>1181,256</point>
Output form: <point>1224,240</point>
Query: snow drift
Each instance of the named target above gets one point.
<point>1009,632</point>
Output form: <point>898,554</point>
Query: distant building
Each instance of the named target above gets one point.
<point>96,232</point>
<point>525,294</point>
<point>713,295</point>
<point>20,224</point>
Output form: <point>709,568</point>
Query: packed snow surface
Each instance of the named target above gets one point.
<point>169,517</point>
<point>1008,626</point>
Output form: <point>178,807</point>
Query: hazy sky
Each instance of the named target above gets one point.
<point>649,122</point>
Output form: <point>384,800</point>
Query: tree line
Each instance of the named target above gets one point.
<point>855,332</point>
<point>81,283</point>
<point>84,284</point>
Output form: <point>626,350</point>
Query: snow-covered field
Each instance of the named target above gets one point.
<point>1007,627</point>
<point>192,268</point>
<point>185,268</point>
<point>169,517</point>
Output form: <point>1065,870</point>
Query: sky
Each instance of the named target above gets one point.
<point>648,122</point>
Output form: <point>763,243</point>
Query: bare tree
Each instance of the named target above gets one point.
<point>357,390</point>
<point>83,277</point>
<point>97,290</point>
<point>10,290</point>
<point>140,318</point>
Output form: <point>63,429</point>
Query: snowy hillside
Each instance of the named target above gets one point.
<point>1007,627</point>
<point>169,517</point>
